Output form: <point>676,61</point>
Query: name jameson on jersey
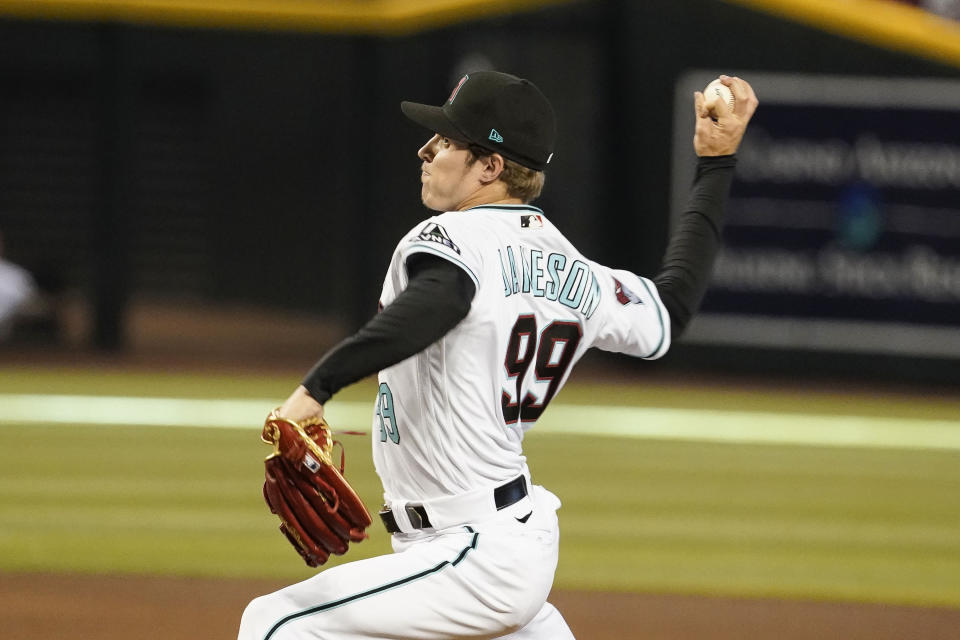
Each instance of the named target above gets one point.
<point>553,277</point>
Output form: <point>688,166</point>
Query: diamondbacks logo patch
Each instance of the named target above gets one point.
<point>433,232</point>
<point>624,295</point>
<point>531,221</point>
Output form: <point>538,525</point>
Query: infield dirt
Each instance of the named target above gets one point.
<point>78,607</point>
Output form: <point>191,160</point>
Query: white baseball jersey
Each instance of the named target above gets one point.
<point>448,427</point>
<point>451,419</point>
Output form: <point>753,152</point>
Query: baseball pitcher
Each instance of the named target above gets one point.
<point>485,309</point>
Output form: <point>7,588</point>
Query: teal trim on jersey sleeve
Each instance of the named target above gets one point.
<point>372,592</point>
<point>422,248</point>
<point>663,328</point>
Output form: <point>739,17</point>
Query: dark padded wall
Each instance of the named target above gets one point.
<point>276,168</point>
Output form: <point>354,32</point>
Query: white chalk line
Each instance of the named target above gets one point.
<point>707,425</point>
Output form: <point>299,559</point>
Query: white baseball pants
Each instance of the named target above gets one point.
<point>487,579</point>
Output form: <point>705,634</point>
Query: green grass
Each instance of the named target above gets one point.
<point>110,381</point>
<point>857,524</point>
<point>648,515</point>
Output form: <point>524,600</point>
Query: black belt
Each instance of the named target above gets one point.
<point>503,496</point>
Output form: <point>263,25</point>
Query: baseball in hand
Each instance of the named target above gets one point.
<point>717,91</point>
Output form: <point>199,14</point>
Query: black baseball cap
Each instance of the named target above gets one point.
<point>497,111</point>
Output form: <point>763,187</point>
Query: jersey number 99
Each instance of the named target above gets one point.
<point>550,354</point>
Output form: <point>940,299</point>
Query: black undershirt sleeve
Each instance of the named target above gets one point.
<point>439,293</point>
<point>436,299</point>
<point>688,260</point>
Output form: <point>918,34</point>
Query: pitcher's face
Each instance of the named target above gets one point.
<point>447,180</point>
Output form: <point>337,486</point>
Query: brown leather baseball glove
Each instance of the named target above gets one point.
<point>320,513</point>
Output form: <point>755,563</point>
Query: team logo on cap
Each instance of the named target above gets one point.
<point>495,136</point>
<point>453,94</point>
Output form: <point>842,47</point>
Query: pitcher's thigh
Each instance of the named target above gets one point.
<point>430,591</point>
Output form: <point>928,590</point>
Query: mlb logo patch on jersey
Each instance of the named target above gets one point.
<point>531,221</point>
<point>433,232</point>
<point>624,295</point>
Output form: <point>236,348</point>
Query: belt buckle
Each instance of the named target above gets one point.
<point>417,516</point>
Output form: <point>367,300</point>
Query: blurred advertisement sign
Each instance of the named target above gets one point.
<point>844,220</point>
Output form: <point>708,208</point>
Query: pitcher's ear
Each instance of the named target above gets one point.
<point>493,166</point>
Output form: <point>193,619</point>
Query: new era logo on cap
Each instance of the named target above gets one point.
<point>496,137</point>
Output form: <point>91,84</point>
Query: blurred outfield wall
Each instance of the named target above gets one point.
<point>244,157</point>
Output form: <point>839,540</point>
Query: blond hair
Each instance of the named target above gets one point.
<point>522,182</point>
